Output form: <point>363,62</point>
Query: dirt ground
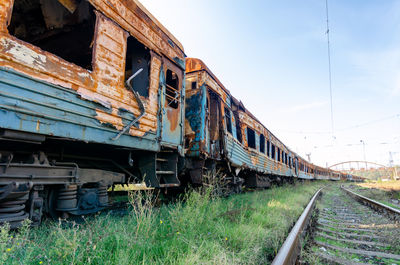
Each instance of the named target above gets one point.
<point>387,192</point>
<point>382,185</point>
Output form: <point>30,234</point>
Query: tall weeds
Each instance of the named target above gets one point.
<point>201,228</point>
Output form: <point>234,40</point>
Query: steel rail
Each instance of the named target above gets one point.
<point>391,212</point>
<point>290,249</point>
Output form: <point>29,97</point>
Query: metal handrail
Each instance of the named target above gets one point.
<point>172,88</point>
<point>139,101</point>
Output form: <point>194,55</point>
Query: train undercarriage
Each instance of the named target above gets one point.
<point>59,177</point>
<point>37,186</point>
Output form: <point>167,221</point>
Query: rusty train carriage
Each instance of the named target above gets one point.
<point>217,123</point>
<point>219,129</point>
<point>70,123</point>
<point>92,93</point>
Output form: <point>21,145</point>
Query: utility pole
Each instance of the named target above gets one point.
<point>365,159</point>
<point>309,157</point>
<point>392,165</point>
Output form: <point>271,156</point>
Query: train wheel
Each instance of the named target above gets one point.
<point>52,205</point>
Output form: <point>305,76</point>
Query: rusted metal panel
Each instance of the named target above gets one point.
<point>194,65</point>
<point>104,85</point>
<point>5,14</point>
<point>138,22</point>
<point>71,5</point>
<point>195,122</point>
<point>171,105</point>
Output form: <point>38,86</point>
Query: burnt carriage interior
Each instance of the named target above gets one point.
<point>64,28</point>
<point>228,120</point>
<point>138,57</point>
<point>262,143</point>
<point>214,112</point>
<point>251,138</point>
<point>172,89</point>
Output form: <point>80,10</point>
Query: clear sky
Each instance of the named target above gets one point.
<point>273,56</point>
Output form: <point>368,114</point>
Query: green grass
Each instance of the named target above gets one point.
<point>381,195</point>
<point>242,229</point>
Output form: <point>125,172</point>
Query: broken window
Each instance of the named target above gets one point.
<point>194,85</point>
<point>251,138</point>
<point>64,28</point>
<point>262,143</point>
<point>214,112</point>
<point>138,57</point>
<point>279,155</point>
<point>268,148</point>
<point>238,132</point>
<point>273,151</point>
<point>172,89</point>
<point>286,160</point>
<point>228,120</point>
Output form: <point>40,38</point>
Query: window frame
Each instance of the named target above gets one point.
<point>228,120</point>
<point>262,143</point>
<point>253,136</point>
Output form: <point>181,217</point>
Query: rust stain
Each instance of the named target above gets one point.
<point>173,115</point>
<point>254,159</point>
<point>105,84</point>
<point>194,65</point>
<point>71,5</point>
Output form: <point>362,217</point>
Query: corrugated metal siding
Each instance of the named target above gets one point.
<point>43,108</point>
<point>241,157</point>
<point>304,175</point>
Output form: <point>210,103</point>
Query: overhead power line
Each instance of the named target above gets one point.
<point>351,127</point>
<point>329,65</point>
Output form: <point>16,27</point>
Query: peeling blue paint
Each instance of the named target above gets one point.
<point>195,113</point>
<point>39,107</point>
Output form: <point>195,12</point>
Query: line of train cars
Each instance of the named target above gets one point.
<point>97,92</point>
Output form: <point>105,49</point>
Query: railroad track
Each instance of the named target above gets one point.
<point>344,231</point>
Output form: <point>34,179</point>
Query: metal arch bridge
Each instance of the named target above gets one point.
<point>366,163</point>
<point>358,162</point>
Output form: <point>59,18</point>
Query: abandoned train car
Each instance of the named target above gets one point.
<point>91,94</point>
<point>221,133</point>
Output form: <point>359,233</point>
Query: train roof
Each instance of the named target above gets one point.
<point>195,65</point>
<point>133,17</point>
<point>156,23</point>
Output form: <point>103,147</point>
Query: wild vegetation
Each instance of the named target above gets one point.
<point>198,229</point>
<point>387,192</point>
<point>377,174</point>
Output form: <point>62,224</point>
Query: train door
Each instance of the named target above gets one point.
<point>171,104</point>
<point>214,121</point>
<point>296,166</point>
